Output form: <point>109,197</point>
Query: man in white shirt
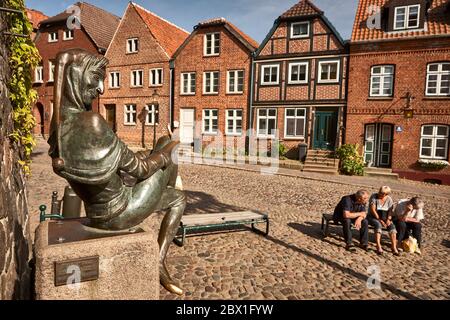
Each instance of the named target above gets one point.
<point>407,216</point>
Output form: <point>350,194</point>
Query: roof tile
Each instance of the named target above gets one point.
<point>437,23</point>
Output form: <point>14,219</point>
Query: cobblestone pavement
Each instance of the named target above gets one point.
<point>293,262</point>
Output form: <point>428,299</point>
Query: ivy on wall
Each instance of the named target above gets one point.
<point>23,59</point>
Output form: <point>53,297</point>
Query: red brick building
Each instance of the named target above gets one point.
<point>399,86</point>
<point>139,77</point>
<point>96,30</point>
<point>35,18</point>
<point>300,79</point>
<point>212,72</point>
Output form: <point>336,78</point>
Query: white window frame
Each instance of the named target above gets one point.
<point>210,118</point>
<point>51,71</point>
<point>51,38</point>
<point>114,80</point>
<point>286,117</point>
<point>213,44</point>
<point>382,75</point>
<point>301,35</point>
<point>211,85</point>
<point>338,72</point>
<point>39,74</point>
<point>133,78</point>
<point>267,118</point>
<point>235,90</point>
<point>132,45</point>
<point>439,75</point>
<point>235,118</point>
<point>189,86</point>
<point>150,119</point>
<point>434,137</point>
<point>296,64</point>
<point>71,33</point>
<point>159,78</point>
<point>129,111</point>
<point>407,12</point>
<point>264,67</point>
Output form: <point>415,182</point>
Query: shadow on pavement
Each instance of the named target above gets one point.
<point>337,266</point>
<point>446,243</point>
<point>200,202</point>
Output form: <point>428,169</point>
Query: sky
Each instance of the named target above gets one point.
<point>254,17</point>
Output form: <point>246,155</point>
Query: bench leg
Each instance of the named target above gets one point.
<point>325,230</point>
<point>259,231</point>
<point>323,221</point>
<point>179,242</point>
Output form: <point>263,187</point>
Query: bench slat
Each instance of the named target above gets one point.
<point>218,218</point>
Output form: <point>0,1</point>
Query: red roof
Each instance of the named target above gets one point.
<point>218,21</point>
<point>35,17</point>
<point>437,22</point>
<point>168,35</point>
<point>302,9</point>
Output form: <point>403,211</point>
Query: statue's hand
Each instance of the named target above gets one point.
<point>166,152</point>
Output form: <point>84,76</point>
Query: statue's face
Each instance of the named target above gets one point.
<point>94,86</point>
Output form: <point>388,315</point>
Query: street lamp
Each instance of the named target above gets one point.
<point>142,118</point>
<point>155,97</point>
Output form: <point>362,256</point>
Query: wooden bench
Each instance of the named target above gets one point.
<point>205,222</point>
<point>327,219</point>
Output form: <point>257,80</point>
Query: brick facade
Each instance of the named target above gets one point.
<point>235,54</point>
<point>320,45</point>
<point>151,55</point>
<point>410,58</point>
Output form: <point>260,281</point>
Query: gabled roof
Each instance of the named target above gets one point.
<point>168,35</point>
<point>35,17</point>
<point>99,24</point>
<point>437,22</point>
<point>304,8</point>
<point>244,38</point>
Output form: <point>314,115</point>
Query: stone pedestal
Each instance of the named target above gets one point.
<point>110,267</point>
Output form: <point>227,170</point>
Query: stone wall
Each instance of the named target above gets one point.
<point>15,245</point>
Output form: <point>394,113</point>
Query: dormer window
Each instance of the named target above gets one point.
<point>53,37</point>
<point>407,17</point>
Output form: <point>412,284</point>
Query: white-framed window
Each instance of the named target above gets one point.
<point>300,30</point>
<point>434,142</point>
<point>68,34</point>
<point>211,82</point>
<point>294,123</point>
<point>210,121</point>
<point>329,71</point>
<point>266,122</point>
<point>438,79</point>
<point>188,83</point>
<point>382,81</point>
<point>298,73</point>
<point>114,79</point>
<point>152,115</point>
<point>39,74</point>
<point>53,36</point>
<point>51,71</point>
<point>156,77</point>
<point>137,78</point>
<point>132,45</point>
<point>235,81</point>
<point>234,122</point>
<point>211,46</point>
<point>270,74</point>
<point>130,114</point>
<point>407,17</point>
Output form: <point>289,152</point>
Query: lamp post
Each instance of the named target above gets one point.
<point>142,118</point>
<point>155,97</point>
<point>408,111</point>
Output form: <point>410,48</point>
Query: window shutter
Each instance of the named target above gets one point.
<point>386,21</point>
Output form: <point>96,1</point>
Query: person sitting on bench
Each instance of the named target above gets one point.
<point>407,216</point>
<point>380,208</point>
<point>353,209</point>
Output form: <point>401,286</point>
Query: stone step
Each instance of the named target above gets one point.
<point>380,173</point>
<point>321,165</point>
<point>322,170</point>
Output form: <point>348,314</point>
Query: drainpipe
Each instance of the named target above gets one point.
<point>250,111</point>
<point>171,96</point>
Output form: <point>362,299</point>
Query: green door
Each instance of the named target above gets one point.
<point>325,130</point>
